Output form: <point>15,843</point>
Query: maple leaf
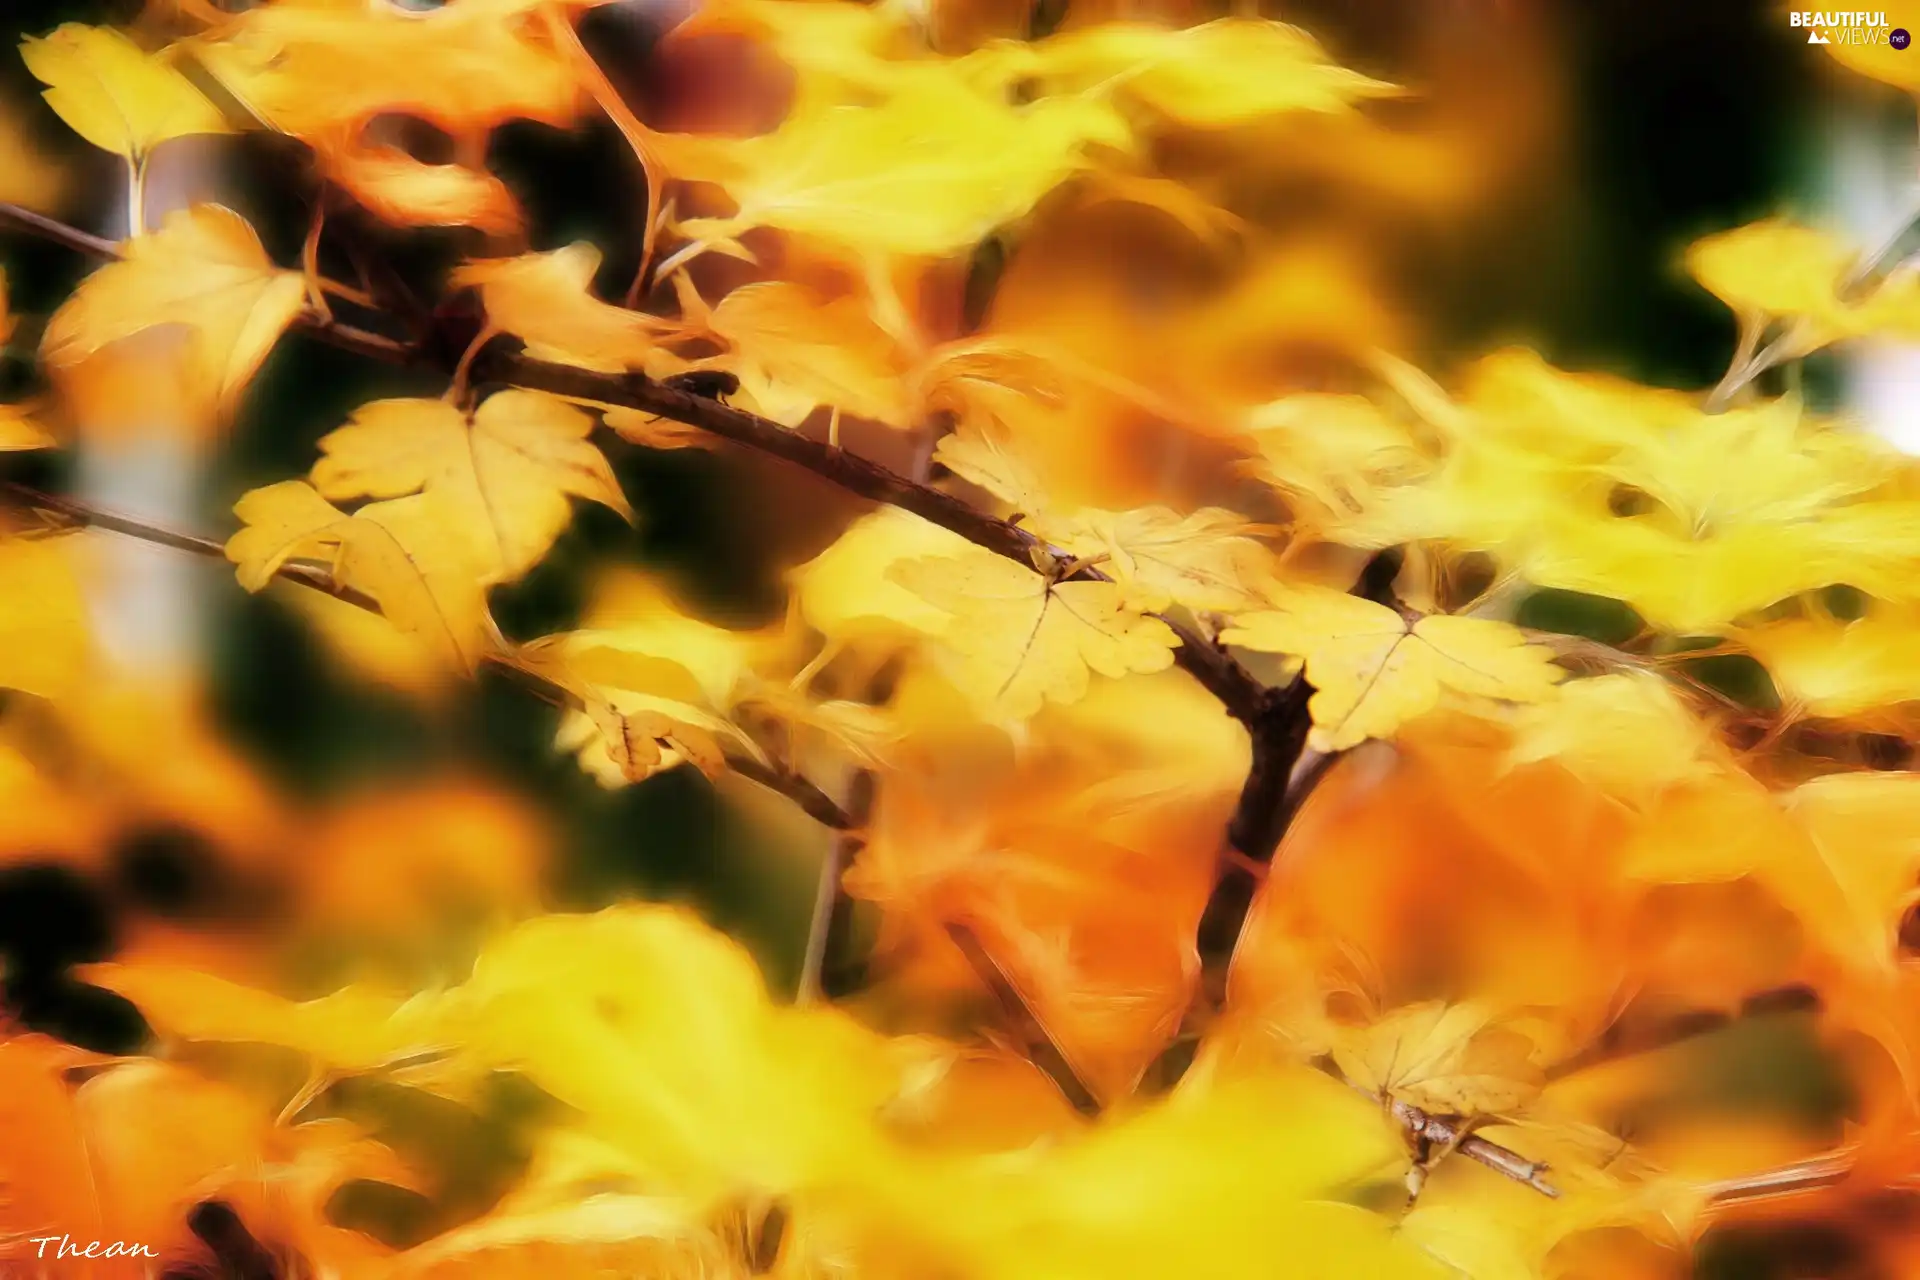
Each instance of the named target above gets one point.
<point>461,67</point>
<point>546,300</point>
<point>848,592</point>
<point>1851,875</point>
<point>1448,1059</point>
<point>1337,451</point>
<point>985,459</point>
<point>403,191</point>
<point>504,471</point>
<point>1017,640</point>
<point>163,1137</point>
<point>1627,732</point>
<point>1374,669</point>
<point>1213,75</point>
<point>409,555</point>
<point>1775,269</point>
<point>651,431</point>
<point>45,638</point>
<point>623,736</point>
<point>1861,669</point>
<point>640,1234</point>
<point>927,172</point>
<point>657,687</point>
<point>355,1030</point>
<point>795,351</point>
<point>695,1073</point>
<point>113,93</point>
<point>205,269</point>
<point>1204,561</point>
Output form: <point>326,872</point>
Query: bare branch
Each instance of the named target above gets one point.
<point>1224,677</point>
<point>1038,1045</point>
<point>1444,1132</point>
<point>70,513</point>
<point>830,902</point>
<point>1275,718</point>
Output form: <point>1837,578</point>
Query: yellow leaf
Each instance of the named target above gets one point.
<point>1016,641</point>
<point>847,593</point>
<point>114,94</point>
<point>927,172</point>
<point>1776,269</point>
<point>353,1030</point>
<point>795,351</point>
<point>651,431</point>
<point>1214,75</point>
<point>409,555</point>
<point>405,192</point>
<point>18,430</point>
<point>45,639</point>
<point>1374,670</point>
<point>1851,877</point>
<point>1448,1059</point>
<point>461,67</point>
<point>1480,1232</point>
<point>504,472</point>
<point>204,268</point>
<point>1203,561</point>
<point>1335,450</point>
<point>546,300</point>
<point>369,645</point>
<point>989,383</point>
<point>986,460</point>
<point>692,1070</point>
<point>1847,670</point>
<point>622,736</point>
<point>641,1235</point>
<point>1627,733</point>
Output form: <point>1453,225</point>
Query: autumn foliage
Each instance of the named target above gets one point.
<point>1255,880</point>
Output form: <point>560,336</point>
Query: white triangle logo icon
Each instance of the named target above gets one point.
<point>1816,38</point>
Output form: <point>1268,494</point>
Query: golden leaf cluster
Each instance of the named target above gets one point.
<point>1017,291</point>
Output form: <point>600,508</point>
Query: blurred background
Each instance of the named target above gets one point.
<point>1538,188</point>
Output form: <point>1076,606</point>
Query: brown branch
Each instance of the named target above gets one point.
<point>1444,1132</point>
<point>1279,781</point>
<point>1274,718</point>
<point>1243,696</point>
<point>71,513</point>
<point>815,803</point>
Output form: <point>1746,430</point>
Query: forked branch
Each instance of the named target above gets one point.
<point>1276,718</point>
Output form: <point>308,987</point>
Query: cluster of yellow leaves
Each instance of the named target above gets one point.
<point>701,1092</point>
<point>1527,860</point>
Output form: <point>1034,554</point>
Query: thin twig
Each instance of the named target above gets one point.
<point>830,902</point>
<point>1748,365</point>
<point>1275,718</point>
<point>1036,1042</point>
<point>1444,1132</point>
<point>72,513</point>
<point>1244,696</point>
